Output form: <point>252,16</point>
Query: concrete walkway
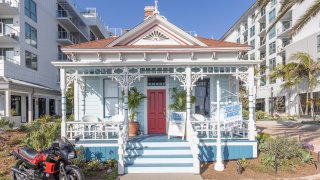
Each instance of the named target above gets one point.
<point>304,132</point>
<point>184,176</point>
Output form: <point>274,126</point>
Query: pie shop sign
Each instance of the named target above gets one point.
<point>232,116</point>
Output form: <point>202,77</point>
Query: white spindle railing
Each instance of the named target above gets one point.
<point>194,144</point>
<point>12,3</point>
<point>7,30</point>
<point>122,143</point>
<point>94,130</point>
<point>208,130</point>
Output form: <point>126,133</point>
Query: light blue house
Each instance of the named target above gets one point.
<point>156,56</point>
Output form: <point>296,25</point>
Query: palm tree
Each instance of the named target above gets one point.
<point>308,69</point>
<point>286,5</point>
<point>135,98</point>
<point>179,98</point>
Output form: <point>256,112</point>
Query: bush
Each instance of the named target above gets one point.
<point>260,115</point>
<point>5,125</point>
<point>280,152</point>
<point>41,134</point>
<point>245,114</point>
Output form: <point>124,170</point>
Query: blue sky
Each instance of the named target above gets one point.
<point>208,18</point>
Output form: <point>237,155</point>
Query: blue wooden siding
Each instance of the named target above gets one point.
<point>101,153</point>
<point>230,152</point>
<point>140,111</point>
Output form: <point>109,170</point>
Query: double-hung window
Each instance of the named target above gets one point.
<point>272,15</point>
<point>272,48</point>
<point>111,98</point>
<point>31,60</point>
<point>31,35</point>
<point>15,105</point>
<point>272,33</point>
<point>30,9</point>
<point>252,31</point>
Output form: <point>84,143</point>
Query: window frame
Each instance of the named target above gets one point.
<point>272,33</point>
<point>31,34</point>
<point>106,97</point>
<point>273,13</point>
<point>272,46</point>
<point>252,31</point>
<point>30,9</point>
<point>31,60</point>
<point>15,98</point>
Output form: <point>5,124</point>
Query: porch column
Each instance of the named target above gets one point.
<point>83,97</point>
<point>126,92</point>
<point>188,88</point>
<point>63,101</point>
<point>252,124</point>
<point>8,103</point>
<point>30,109</point>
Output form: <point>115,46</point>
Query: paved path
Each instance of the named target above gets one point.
<point>307,133</point>
<point>185,176</point>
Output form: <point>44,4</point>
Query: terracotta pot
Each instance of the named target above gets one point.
<point>133,128</point>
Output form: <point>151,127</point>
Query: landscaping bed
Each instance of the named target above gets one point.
<point>255,170</point>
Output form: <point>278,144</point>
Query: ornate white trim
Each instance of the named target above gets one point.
<point>244,78</point>
<point>156,35</point>
<point>75,78</point>
<point>125,79</point>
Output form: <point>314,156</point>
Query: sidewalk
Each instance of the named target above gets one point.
<point>184,176</point>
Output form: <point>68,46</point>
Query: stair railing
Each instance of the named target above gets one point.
<point>122,143</point>
<point>194,144</point>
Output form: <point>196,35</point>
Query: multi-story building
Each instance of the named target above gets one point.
<point>276,47</point>
<point>31,35</point>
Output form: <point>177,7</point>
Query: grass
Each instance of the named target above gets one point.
<point>311,122</point>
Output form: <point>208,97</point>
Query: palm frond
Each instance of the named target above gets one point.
<point>306,17</point>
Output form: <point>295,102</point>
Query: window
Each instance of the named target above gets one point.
<point>263,12</point>
<point>252,56</point>
<point>273,2</point>
<point>272,64</point>
<point>156,81</point>
<point>253,43</point>
<point>42,106</point>
<point>92,36</point>
<point>30,9</point>
<point>263,81</point>
<point>202,93</point>
<point>16,105</point>
<point>260,105</point>
<point>111,98</point>
<point>272,33</point>
<point>252,31</point>
<point>30,35</point>
<point>318,38</point>
<point>7,54</point>
<point>52,107</point>
<point>277,104</point>
<point>31,60</point>
<point>272,15</point>
<point>238,40</point>
<point>272,48</point>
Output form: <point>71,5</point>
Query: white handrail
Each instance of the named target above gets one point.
<point>12,3</point>
<point>122,143</point>
<point>194,144</point>
<point>6,30</point>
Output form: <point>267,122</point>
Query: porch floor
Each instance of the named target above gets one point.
<point>155,138</point>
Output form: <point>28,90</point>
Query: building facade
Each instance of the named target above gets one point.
<point>275,48</point>
<point>32,33</point>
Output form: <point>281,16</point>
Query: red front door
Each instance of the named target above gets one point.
<point>156,111</point>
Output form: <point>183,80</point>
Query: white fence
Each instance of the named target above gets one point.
<point>94,130</point>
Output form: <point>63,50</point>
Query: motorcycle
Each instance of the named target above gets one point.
<point>51,163</point>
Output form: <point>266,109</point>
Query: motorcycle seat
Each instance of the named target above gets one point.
<point>28,152</point>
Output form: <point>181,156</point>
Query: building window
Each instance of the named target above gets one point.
<point>272,48</point>
<point>92,36</point>
<point>31,60</point>
<point>263,11</point>
<point>277,104</point>
<point>272,33</point>
<point>272,65</point>
<point>238,40</point>
<point>318,38</point>
<point>252,31</point>
<point>156,81</point>
<point>111,98</point>
<point>260,105</point>
<point>7,54</point>
<point>253,43</point>
<point>30,9</point>
<point>16,105</point>
<point>272,15</point>
<point>273,2</point>
<point>52,107</point>
<point>42,106</point>
<point>31,35</point>
<point>252,56</point>
<point>202,93</point>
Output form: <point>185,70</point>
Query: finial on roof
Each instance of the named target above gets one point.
<point>156,10</point>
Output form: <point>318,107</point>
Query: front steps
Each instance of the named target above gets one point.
<point>158,157</point>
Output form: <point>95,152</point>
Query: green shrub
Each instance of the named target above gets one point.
<point>305,156</point>
<point>42,134</point>
<point>5,125</point>
<point>260,115</point>
<point>245,114</point>
<point>280,152</point>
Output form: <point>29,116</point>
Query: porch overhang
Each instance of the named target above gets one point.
<point>150,63</point>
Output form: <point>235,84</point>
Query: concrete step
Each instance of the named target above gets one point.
<point>159,159</point>
<point>159,168</point>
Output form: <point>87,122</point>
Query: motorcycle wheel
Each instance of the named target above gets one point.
<point>73,173</point>
<point>17,176</point>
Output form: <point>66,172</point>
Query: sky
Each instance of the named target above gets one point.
<point>208,18</point>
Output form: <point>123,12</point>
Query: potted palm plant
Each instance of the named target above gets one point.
<point>135,98</point>
<point>179,98</point>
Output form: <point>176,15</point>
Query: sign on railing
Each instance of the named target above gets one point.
<point>232,116</point>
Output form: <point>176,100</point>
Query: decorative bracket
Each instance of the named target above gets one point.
<point>187,77</point>
<point>75,78</point>
<point>125,79</point>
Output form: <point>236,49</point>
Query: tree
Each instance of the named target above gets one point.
<point>179,98</point>
<point>135,98</point>
<point>286,5</point>
<point>303,67</point>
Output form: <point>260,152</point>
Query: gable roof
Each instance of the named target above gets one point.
<point>103,44</point>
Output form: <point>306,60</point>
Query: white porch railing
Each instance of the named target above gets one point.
<point>194,144</point>
<point>122,143</point>
<point>94,130</point>
<point>208,130</point>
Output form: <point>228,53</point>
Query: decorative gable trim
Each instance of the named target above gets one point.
<point>156,35</point>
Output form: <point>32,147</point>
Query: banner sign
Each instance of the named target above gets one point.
<point>232,116</point>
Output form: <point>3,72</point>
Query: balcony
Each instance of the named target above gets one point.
<point>284,30</point>
<point>62,56</point>
<point>262,30</point>
<point>95,23</point>
<point>66,38</point>
<point>9,7</point>
<point>8,35</point>
<point>281,48</point>
<point>10,59</point>
<point>263,57</point>
<point>72,24</point>
<point>262,17</point>
<point>262,47</point>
